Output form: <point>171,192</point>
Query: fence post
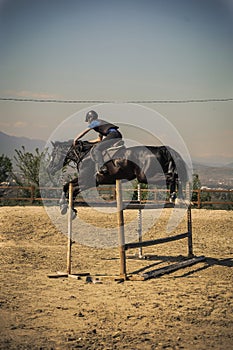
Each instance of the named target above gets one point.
<point>199,198</point>
<point>114,193</point>
<point>32,194</point>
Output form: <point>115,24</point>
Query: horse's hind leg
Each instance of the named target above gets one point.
<point>172,185</point>
<point>63,204</point>
<point>74,211</point>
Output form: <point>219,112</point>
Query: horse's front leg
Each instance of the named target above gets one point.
<point>74,211</point>
<point>65,198</point>
<point>76,191</point>
<point>63,202</point>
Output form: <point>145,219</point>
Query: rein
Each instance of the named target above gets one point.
<point>78,157</point>
<point>76,154</point>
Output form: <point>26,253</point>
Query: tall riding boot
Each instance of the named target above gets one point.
<point>100,167</point>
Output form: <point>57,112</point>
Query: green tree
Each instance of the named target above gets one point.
<point>5,168</point>
<point>196,186</point>
<point>28,165</point>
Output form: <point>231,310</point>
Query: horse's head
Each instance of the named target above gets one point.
<point>58,156</point>
<point>78,152</point>
<point>64,152</point>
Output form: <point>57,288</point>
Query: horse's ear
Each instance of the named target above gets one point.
<point>53,143</point>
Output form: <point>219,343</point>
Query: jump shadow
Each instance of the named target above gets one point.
<point>161,259</point>
<point>209,262</point>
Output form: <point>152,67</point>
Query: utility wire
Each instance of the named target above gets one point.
<point>204,100</point>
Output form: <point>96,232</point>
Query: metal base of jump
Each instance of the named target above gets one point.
<point>123,247</point>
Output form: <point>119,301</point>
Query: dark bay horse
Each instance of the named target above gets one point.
<point>148,164</point>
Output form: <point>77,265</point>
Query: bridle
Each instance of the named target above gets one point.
<point>79,155</point>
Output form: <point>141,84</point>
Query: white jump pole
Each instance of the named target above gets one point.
<point>140,255</point>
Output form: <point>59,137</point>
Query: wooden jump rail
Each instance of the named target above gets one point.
<point>123,247</point>
<point>156,241</point>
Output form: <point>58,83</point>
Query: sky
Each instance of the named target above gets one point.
<point>124,50</point>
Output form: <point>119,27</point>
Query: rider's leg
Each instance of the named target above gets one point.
<point>106,143</point>
<point>99,159</point>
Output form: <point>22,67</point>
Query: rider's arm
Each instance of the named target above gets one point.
<point>96,140</point>
<point>79,136</point>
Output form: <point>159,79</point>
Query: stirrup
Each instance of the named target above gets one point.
<point>102,170</point>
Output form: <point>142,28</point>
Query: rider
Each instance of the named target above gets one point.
<point>108,133</point>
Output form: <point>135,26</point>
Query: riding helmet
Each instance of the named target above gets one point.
<point>91,115</point>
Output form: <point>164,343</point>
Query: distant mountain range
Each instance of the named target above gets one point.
<point>213,176</point>
<point>9,143</point>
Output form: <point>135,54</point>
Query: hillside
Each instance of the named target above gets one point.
<point>230,165</point>
<point>9,143</point>
<point>214,176</point>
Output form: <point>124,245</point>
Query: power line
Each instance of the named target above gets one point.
<point>204,100</point>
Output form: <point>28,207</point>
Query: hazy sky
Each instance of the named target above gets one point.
<point>120,50</point>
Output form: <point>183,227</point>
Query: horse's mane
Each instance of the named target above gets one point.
<point>62,144</point>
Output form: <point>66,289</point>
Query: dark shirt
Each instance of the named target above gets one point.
<point>102,127</point>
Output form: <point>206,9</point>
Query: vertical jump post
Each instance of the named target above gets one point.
<point>69,242</point>
<point>190,234</point>
<point>140,255</point>
<point>121,232</point>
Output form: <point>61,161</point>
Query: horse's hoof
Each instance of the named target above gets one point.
<point>74,214</point>
<point>172,198</point>
<point>63,209</point>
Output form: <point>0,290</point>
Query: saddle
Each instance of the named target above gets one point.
<point>115,153</point>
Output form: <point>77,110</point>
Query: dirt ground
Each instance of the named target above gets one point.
<point>188,309</point>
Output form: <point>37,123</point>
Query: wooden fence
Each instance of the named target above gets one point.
<point>30,194</point>
<point>203,197</point>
